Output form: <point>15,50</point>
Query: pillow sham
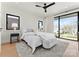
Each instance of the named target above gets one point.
<point>29,30</point>
<point>30,33</point>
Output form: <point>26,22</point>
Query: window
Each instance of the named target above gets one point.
<point>56,26</point>
<point>66,26</point>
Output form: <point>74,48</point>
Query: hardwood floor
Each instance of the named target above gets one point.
<point>9,50</point>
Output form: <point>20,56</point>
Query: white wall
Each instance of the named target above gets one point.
<point>49,24</point>
<point>0,27</point>
<point>26,20</point>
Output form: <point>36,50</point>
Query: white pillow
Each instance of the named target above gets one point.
<point>23,31</point>
<point>29,30</point>
<point>26,30</point>
<point>31,34</point>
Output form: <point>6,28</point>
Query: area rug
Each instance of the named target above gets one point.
<point>24,50</point>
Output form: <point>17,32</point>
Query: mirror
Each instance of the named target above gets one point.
<point>40,25</point>
<point>10,19</point>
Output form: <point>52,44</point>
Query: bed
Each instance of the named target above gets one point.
<point>48,39</point>
<point>32,40</point>
<point>35,39</point>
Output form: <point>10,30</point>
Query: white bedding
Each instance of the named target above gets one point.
<point>34,40</point>
<point>49,40</point>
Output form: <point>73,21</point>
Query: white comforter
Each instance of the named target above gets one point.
<point>48,39</point>
<point>34,40</point>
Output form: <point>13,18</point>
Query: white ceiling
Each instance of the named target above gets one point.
<point>55,9</point>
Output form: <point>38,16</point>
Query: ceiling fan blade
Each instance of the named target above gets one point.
<point>38,6</point>
<point>49,5</point>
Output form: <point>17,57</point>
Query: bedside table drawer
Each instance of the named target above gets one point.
<point>15,34</point>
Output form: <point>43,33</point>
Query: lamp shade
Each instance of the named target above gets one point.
<point>14,25</point>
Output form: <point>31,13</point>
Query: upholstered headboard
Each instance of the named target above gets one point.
<point>30,30</point>
<point>27,30</point>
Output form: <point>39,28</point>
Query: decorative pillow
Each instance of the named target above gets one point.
<point>30,33</point>
<point>29,30</point>
<point>23,31</point>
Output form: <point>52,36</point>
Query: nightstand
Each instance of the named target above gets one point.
<point>14,35</point>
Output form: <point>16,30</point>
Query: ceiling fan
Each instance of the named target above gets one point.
<point>45,6</point>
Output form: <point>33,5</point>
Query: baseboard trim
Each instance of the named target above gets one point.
<point>5,43</point>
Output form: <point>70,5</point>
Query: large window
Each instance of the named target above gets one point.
<point>66,26</point>
<point>56,27</point>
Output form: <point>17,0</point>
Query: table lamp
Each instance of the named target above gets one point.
<point>14,26</point>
